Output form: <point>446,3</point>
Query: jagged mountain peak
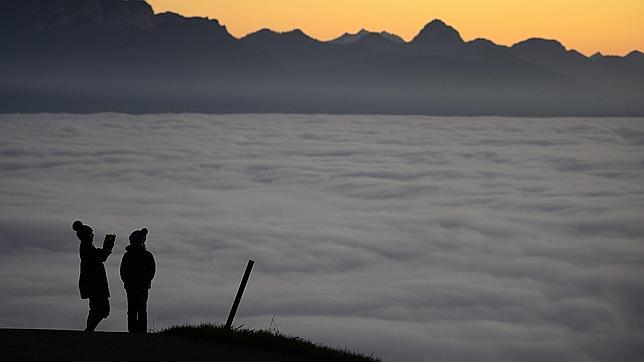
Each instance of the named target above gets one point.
<point>482,42</point>
<point>393,37</point>
<point>295,34</point>
<point>43,15</point>
<point>486,46</point>
<point>348,38</point>
<point>263,31</point>
<point>177,26</point>
<point>263,38</point>
<point>539,48</point>
<point>440,27</point>
<point>437,23</point>
<point>541,44</point>
<point>197,19</point>
<point>437,34</point>
<point>635,54</point>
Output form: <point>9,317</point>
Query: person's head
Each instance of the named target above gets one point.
<point>138,236</point>
<point>83,232</point>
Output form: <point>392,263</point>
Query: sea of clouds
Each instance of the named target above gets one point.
<point>415,238</point>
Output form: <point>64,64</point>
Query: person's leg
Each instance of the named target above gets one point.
<point>92,317</point>
<point>143,313</point>
<point>131,311</point>
<point>99,308</point>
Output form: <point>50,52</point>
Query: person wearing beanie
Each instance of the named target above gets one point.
<point>93,283</point>
<point>137,271</point>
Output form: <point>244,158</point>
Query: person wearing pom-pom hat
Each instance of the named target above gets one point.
<point>137,271</point>
<point>93,283</point>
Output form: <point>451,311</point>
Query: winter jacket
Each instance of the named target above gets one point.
<point>93,279</point>
<point>137,268</point>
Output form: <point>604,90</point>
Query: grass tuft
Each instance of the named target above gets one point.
<point>267,340</point>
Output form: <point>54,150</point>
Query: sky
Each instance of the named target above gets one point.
<point>415,238</point>
<point>611,27</point>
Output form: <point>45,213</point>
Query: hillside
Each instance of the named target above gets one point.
<point>76,346</point>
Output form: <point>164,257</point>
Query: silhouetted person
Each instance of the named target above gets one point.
<point>93,280</point>
<point>137,272</point>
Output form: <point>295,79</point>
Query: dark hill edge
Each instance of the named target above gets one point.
<point>75,346</point>
<point>272,341</point>
<point>85,56</point>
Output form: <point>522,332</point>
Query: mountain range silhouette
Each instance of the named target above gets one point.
<point>119,56</point>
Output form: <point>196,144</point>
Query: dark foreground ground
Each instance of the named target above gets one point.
<point>72,346</point>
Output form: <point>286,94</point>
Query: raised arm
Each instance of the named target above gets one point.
<point>89,252</point>
<point>102,254</point>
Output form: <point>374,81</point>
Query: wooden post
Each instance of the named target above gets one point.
<point>240,292</point>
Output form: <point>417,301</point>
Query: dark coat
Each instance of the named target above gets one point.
<point>137,268</point>
<point>93,279</point>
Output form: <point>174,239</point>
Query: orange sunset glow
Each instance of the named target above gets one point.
<point>611,27</point>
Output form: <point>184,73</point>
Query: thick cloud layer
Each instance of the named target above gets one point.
<point>416,238</point>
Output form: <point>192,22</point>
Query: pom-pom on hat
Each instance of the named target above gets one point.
<point>138,236</point>
<point>77,225</point>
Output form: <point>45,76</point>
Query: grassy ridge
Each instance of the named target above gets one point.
<point>272,341</point>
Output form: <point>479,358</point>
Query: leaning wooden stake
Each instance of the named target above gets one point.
<point>240,292</point>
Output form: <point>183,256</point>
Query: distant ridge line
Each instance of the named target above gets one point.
<point>113,55</point>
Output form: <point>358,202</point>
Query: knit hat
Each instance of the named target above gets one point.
<point>82,231</point>
<point>138,236</point>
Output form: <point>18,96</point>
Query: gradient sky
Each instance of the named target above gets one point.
<point>612,27</point>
